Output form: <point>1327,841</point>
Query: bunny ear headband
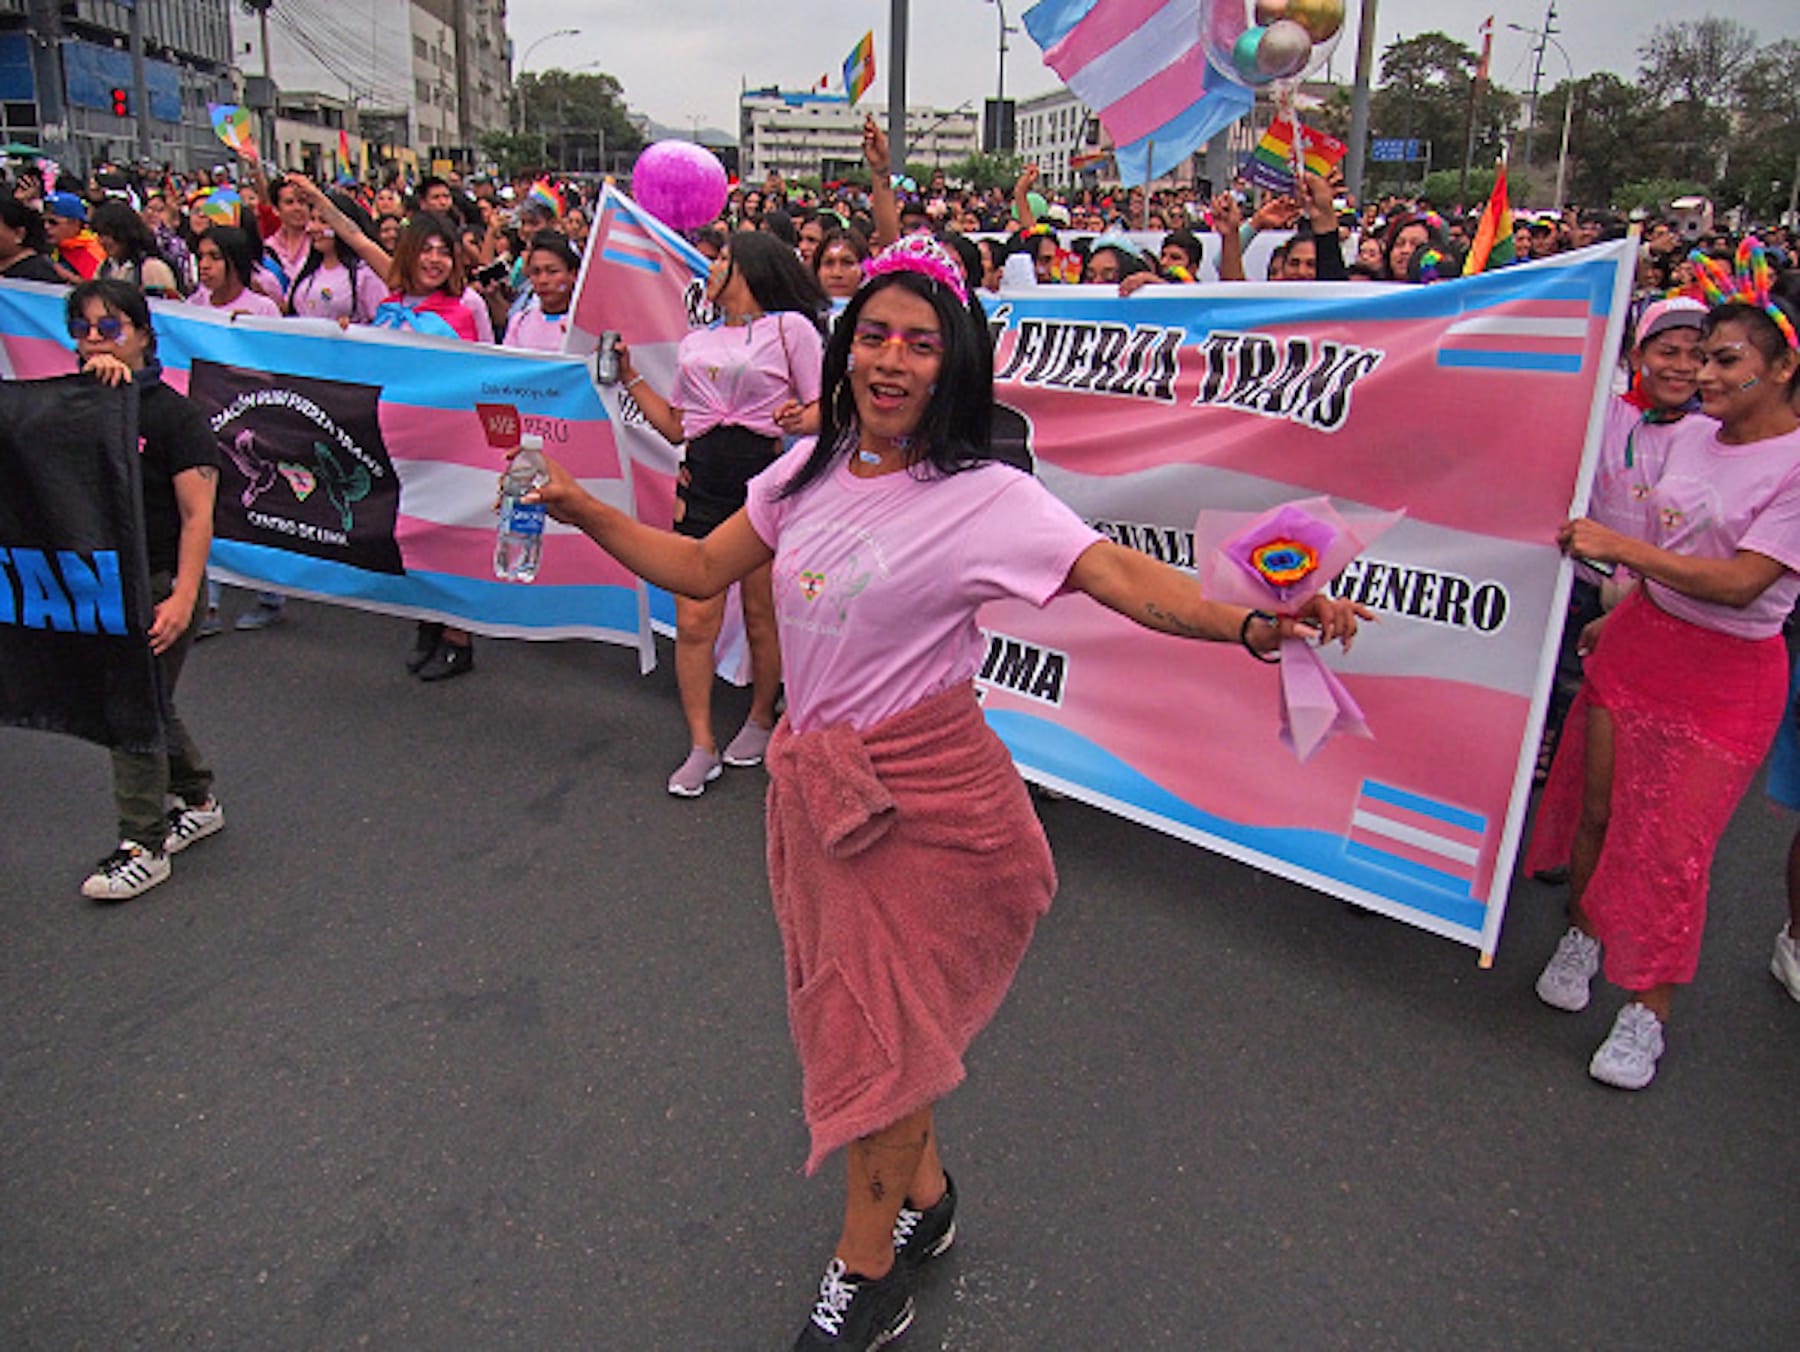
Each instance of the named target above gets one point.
<point>1749,281</point>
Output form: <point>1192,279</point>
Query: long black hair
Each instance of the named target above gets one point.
<point>18,216</point>
<point>346,256</point>
<point>954,432</point>
<point>235,246</point>
<point>116,220</point>
<point>776,276</point>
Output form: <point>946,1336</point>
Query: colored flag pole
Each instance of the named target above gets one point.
<point>1477,87</point>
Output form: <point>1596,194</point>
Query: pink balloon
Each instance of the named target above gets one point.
<point>680,183</point>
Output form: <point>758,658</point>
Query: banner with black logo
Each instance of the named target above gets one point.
<point>305,468</point>
<point>74,586</point>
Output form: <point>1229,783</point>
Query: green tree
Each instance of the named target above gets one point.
<point>1695,61</point>
<point>514,153</point>
<point>1424,94</point>
<point>1766,145</point>
<point>1611,138</point>
<point>582,118</point>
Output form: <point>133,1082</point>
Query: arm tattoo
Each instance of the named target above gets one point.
<point>1162,619</point>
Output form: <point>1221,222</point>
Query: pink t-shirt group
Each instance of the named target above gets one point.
<point>1713,500</point>
<point>331,293</point>
<point>529,327</point>
<point>877,581</point>
<point>741,374</point>
<point>249,301</point>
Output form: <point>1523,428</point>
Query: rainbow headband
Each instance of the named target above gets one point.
<point>924,255</point>
<point>1750,281</point>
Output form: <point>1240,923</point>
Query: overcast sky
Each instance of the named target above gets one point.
<point>685,59</point>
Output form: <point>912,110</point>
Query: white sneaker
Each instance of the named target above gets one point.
<point>1567,976</point>
<point>126,872</point>
<point>1627,1059</point>
<point>191,822</point>
<point>693,774</point>
<point>1785,965</point>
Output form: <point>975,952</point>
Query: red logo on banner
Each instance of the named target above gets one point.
<point>501,423</point>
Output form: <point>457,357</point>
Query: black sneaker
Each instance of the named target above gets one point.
<point>449,659</point>
<point>425,642</point>
<point>857,1314</point>
<point>920,1236</point>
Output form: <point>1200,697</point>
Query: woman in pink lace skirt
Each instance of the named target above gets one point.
<point>1685,685</point>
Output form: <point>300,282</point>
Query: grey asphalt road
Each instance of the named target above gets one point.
<point>465,1035</point>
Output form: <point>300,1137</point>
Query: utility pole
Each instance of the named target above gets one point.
<point>897,86</point>
<point>1359,101</point>
<point>140,85</point>
<point>1537,77</point>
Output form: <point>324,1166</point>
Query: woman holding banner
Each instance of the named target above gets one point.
<point>907,867</point>
<point>178,469</point>
<point>1684,685</point>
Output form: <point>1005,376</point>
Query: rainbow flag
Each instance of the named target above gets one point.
<point>222,206</point>
<point>231,124</point>
<point>859,67</point>
<point>1493,246</point>
<point>343,151</point>
<point>1271,164</point>
<point>545,195</point>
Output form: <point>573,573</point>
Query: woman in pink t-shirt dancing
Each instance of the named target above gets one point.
<point>740,384</point>
<point>1684,688</point>
<point>907,866</point>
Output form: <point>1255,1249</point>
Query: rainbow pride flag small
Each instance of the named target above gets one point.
<point>343,151</point>
<point>859,67</point>
<point>231,124</point>
<point>222,206</point>
<point>545,195</point>
<point>1271,164</point>
<point>1493,244</point>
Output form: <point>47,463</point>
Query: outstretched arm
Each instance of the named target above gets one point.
<point>1169,601</point>
<point>677,563</point>
<point>348,232</point>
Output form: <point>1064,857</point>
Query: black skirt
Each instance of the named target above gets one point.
<point>716,475</point>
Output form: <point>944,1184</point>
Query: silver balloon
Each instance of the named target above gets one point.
<point>1285,49</point>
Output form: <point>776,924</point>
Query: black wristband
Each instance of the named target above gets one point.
<point>1269,659</point>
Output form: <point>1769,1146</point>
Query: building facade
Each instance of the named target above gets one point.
<point>68,85</point>
<point>820,135</point>
<point>1054,131</point>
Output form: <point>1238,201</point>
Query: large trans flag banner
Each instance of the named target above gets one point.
<point>357,468</point>
<point>1472,406</point>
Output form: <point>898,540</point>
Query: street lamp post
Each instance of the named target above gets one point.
<point>519,69</point>
<point>1543,35</point>
<point>1000,80</point>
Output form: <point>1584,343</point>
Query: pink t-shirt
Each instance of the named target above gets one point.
<point>248,301</point>
<point>740,374</point>
<point>474,303</point>
<point>531,328</point>
<point>1713,500</point>
<point>326,294</point>
<point>1632,455</point>
<point>877,581</point>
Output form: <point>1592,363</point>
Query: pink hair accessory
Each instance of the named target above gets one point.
<point>924,255</point>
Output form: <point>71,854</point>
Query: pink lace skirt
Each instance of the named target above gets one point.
<point>1693,713</point>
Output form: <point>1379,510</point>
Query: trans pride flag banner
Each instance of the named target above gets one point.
<point>356,468</point>
<point>1472,406</point>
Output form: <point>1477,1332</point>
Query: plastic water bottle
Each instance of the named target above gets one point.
<point>520,543</point>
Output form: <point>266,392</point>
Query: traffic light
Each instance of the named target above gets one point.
<point>121,106</point>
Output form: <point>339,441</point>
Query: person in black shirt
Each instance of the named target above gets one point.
<point>23,247</point>
<point>178,466</point>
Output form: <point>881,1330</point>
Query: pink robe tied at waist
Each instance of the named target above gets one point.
<point>908,871</point>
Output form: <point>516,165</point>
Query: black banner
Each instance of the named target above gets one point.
<point>75,605</point>
<point>305,467</point>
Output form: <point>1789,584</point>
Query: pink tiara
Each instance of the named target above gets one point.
<point>924,255</point>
